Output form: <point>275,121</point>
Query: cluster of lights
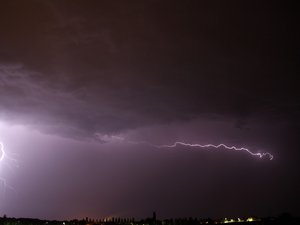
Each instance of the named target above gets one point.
<point>239,220</point>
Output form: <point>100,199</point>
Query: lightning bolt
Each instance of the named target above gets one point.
<point>3,157</point>
<point>259,154</point>
<point>2,153</point>
<point>179,143</point>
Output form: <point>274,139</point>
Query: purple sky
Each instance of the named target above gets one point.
<point>76,74</point>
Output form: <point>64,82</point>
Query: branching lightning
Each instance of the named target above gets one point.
<point>3,158</point>
<point>2,153</point>
<point>259,154</point>
<point>179,143</point>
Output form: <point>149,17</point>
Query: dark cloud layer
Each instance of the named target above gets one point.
<point>80,68</point>
<point>148,62</point>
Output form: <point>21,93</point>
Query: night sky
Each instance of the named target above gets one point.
<point>87,88</point>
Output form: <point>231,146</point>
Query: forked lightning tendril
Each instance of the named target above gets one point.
<point>4,159</point>
<point>260,155</point>
<point>178,143</point>
<point>2,180</point>
<point>1,152</point>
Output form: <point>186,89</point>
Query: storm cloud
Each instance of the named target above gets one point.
<point>120,66</point>
<point>75,72</point>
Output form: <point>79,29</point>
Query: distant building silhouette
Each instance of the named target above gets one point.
<point>154,216</point>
